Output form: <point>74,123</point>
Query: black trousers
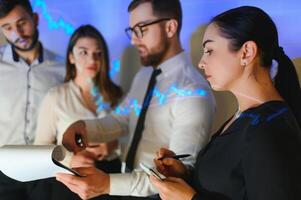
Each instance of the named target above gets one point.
<point>11,189</point>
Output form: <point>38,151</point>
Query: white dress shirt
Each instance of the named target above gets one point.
<point>22,89</point>
<point>179,118</point>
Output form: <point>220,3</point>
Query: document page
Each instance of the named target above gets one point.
<point>32,162</point>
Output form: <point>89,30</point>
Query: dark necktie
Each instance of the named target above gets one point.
<point>140,123</point>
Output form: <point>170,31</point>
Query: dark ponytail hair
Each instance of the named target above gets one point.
<point>248,23</point>
<point>287,84</point>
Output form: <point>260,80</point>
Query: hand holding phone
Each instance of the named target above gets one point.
<point>151,171</point>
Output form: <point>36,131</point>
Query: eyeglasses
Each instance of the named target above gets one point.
<point>138,28</point>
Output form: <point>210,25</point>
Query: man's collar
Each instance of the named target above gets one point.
<point>173,63</point>
<point>16,56</point>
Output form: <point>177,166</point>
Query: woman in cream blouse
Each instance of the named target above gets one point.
<point>88,92</point>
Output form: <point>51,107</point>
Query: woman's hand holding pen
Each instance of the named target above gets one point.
<point>169,166</point>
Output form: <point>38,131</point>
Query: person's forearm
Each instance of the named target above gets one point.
<point>105,129</point>
<point>136,183</point>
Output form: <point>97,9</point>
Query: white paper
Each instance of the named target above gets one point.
<point>31,162</point>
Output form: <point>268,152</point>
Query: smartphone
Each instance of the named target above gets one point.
<point>151,171</point>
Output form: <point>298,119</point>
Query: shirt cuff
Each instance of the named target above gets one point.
<point>120,184</point>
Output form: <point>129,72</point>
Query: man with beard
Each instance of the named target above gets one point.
<point>169,105</point>
<point>27,71</point>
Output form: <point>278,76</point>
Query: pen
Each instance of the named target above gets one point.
<point>176,156</point>
<point>79,140</point>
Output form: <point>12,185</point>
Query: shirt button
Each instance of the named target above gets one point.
<point>28,86</point>
<point>27,121</point>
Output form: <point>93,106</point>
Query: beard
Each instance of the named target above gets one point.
<point>34,38</point>
<point>155,57</point>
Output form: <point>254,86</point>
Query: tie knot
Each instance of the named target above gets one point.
<point>156,72</point>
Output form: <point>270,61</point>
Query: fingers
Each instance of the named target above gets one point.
<point>170,161</point>
<point>161,187</point>
<point>83,170</point>
<point>174,179</point>
<point>74,183</point>
<point>160,166</point>
<point>82,164</point>
<point>99,150</point>
<point>93,183</point>
<point>160,183</point>
<point>93,148</point>
<point>68,179</point>
<point>113,145</point>
<point>83,159</point>
<point>166,164</point>
<point>89,155</point>
<point>87,170</point>
<point>163,152</point>
<point>155,181</point>
<point>102,150</point>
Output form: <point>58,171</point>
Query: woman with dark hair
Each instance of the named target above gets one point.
<point>256,154</point>
<point>88,92</point>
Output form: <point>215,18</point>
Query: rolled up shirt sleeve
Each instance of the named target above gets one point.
<point>104,129</point>
<point>136,183</point>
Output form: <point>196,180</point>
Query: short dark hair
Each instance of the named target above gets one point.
<point>162,8</point>
<point>248,23</point>
<point>8,5</point>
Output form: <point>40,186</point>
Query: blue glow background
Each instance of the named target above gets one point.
<point>59,18</point>
<point>111,17</point>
